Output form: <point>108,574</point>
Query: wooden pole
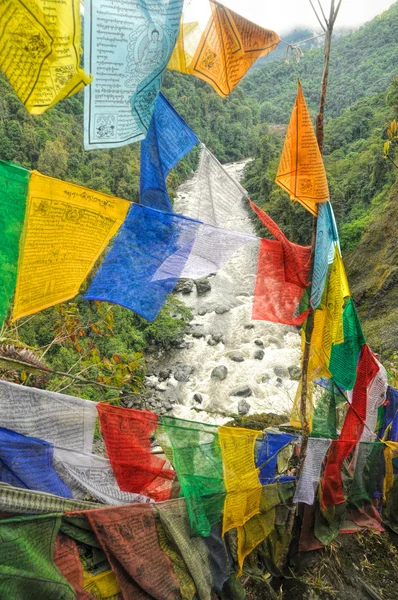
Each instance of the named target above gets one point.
<point>327,25</point>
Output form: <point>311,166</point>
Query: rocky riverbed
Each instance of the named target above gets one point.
<point>225,363</point>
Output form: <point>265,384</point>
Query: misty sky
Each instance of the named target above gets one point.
<point>285,15</point>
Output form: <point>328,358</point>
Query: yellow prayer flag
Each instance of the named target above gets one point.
<point>185,47</point>
<point>301,171</point>
<point>66,229</point>
<point>390,452</point>
<point>228,47</point>
<point>241,479</point>
<point>103,586</point>
<point>40,50</point>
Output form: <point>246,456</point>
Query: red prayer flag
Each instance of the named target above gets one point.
<point>66,557</point>
<point>127,435</point>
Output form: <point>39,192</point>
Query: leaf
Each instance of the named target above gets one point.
<point>386,148</point>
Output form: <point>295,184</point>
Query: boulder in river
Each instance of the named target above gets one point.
<point>259,343</point>
<point>203,286</point>
<point>237,356</point>
<point>249,326</point>
<point>243,392</point>
<point>202,311</point>
<point>198,398</point>
<point>243,407</point>
<point>294,372</point>
<point>219,373</point>
<point>184,286</point>
<point>259,354</point>
<point>221,309</point>
<point>183,372</point>
<point>281,371</point>
<point>274,340</point>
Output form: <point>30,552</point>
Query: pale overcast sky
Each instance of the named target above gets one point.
<point>285,15</point>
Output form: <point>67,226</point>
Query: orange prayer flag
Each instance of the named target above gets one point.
<point>228,47</point>
<point>301,171</point>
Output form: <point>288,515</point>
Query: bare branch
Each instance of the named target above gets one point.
<point>336,12</point>
<point>317,16</point>
<point>323,14</point>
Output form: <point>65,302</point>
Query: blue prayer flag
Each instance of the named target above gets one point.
<point>145,261</point>
<point>326,240</point>
<point>391,415</point>
<point>27,462</point>
<point>268,455</point>
<point>169,138</point>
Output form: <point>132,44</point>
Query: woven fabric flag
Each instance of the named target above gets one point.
<point>127,434</point>
<point>344,356</point>
<point>193,550</point>
<point>267,455</point>
<point>364,482</point>
<point>351,432</point>
<point>127,47</point>
<point>309,476</point>
<point>187,42</point>
<point>66,229</point>
<point>376,397</point>
<point>390,424</point>
<point>128,536</point>
<point>259,527</point>
<point>214,194</point>
<point>27,462</point>
<point>145,261</point>
<point>40,51</point>
<point>169,138</point>
<point>103,586</point>
<point>228,47</point>
<point>13,191</point>
<point>62,420</point>
<point>324,420</point>
<point>301,171</point>
<point>198,464</point>
<point>241,476</point>
<point>219,557</point>
<point>27,568</point>
<point>93,474</point>
<point>326,240</point>
<point>67,559</point>
<point>17,500</point>
<point>212,249</point>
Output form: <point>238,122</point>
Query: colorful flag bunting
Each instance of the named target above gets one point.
<point>169,138</point>
<point>60,419</point>
<point>129,538</point>
<point>40,51</point>
<point>88,473</point>
<point>27,462</point>
<point>148,240</point>
<point>301,171</point>
<point>197,460</point>
<point>228,47</point>
<point>326,240</point>
<point>241,476</point>
<point>127,438</point>
<point>13,192</point>
<point>214,194</point>
<point>27,568</point>
<point>127,48</point>
<point>66,229</point>
<point>268,454</point>
<point>309,476</point>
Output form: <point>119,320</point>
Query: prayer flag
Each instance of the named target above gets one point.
<point>187,42</point>
<point>214,194</point>
<point>148,241</point>
<point>27,568</point>
<point>66,229</point>
<point>309,476</point>
<point>60,419</point>
<point>27,462</point>
<point>326,240</point>
<point>129,538</point>
<point>228,47</point>
<point>219,557</point>
<point>169,138</point>
<point>301,171</point>
<point>67,559</point>
<point>40,51</point>
<point>390,425</point>
<point>127,47</point>
<point>376,397</point>
<point>268,454</point>
<point>197,460</point>
<point>13,191</point>
<point>17,500</point>
<point>324,421</point>
<point>93,474</point>
<point>241,476</point>
<point>103,586</point>
<point>174,518</point>
<point>127,438</point>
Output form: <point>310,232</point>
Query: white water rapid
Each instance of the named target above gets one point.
<point>260,357</point>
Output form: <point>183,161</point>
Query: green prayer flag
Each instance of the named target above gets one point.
<point>324,421</point>
<point>27,569</point>
<point>13,192</point>
<point>344,357</point>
